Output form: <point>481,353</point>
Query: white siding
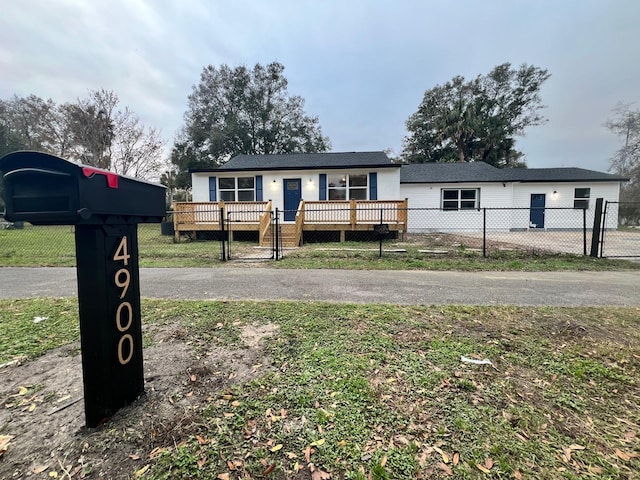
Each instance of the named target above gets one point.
<point>425,197</point>
<point>388,181</point>
<point>563,197</point>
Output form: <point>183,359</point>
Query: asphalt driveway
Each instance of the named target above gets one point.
<point>358,286</point>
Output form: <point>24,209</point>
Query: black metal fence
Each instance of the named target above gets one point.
<point>342,233</point>
<point>623,241</point>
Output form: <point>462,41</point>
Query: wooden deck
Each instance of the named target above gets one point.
<point>314,216</point>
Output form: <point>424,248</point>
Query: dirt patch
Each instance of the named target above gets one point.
<point>457,243</point>
<point>43,411</point>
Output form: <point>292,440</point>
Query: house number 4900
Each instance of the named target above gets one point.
<point>124,312</point>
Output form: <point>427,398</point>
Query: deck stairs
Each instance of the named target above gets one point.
<point>288,237</point>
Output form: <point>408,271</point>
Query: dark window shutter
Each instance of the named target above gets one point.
<point>373,186</point>
<point>212,189</point>
<point>258,188</point>
<point>323,187</point>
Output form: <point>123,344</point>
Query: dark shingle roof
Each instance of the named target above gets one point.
<point>448,172</point>
<point>568,174</point>
<point>302,161</point>
<point>482,172</point>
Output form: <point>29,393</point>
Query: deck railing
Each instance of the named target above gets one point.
<point>355,212</point>
<point>188,213</point>
<point>195,216</point>
<point>265,221</point>
<point>249,212</point>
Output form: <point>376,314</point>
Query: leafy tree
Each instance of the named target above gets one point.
<point>92,125</point>
<point>626,160</point>
<point>478,119</point>
<point>238,110</point>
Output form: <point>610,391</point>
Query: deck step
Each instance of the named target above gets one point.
<point>288,237</point>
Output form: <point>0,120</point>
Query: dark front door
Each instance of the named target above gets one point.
<point>292,195</point>
<point>536,215</point>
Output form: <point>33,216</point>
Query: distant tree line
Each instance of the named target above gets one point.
<point>95,130</point>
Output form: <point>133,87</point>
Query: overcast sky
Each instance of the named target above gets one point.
<point>361,65</point>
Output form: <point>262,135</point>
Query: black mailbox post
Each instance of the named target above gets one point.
<point>105,208</point>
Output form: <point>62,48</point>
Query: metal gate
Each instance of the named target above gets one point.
<point>620,230</point>
<point>242,242</point>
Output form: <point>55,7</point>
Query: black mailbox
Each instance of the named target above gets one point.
<point>47,190</point>
<point>106,208</point>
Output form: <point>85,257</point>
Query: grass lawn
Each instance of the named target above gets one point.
<point>380,391</point>
<point>55,246</point>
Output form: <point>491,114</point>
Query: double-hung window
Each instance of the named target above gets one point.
<point>347,187</point>
<point>240,189</point>
<point>581,197</point>
<point>460,198</point>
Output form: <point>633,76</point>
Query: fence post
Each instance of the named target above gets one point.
<point>584,232</point>
<point>223,239</point>
<point>381,222</point>
<point>604,228</point>
<point>595,234</point>
<point>276,243</point>
<point>228,234</point>
<point>484,232</point>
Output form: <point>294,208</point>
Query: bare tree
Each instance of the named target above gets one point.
<point>136,151</point>
<point>626,160</point>
<point>38,124</point>
<point>92,130</point>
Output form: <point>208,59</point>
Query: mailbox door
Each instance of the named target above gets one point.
<point>41,196</point>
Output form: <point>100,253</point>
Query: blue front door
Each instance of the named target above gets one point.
<point>536,215</point>
<point>292,196</point>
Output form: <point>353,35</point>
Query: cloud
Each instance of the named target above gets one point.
<point>362,66</point>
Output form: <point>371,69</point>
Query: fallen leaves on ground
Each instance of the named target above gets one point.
<point>317,473</point>
<point>4,443</point>
<point>624,455</point>
<point>445,468</point>
<point>486,467</point>
<point>567,451</point>
<point>141,471</point>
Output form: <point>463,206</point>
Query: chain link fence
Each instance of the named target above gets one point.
<point>624,241</point>
<point>251,234</point>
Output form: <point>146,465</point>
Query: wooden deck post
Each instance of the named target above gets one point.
<point>352,213</point>
<point>403,217</point>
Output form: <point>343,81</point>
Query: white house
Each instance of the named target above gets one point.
<point>446,196</point>
<point>287,179</point>
<point>527,197</point>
